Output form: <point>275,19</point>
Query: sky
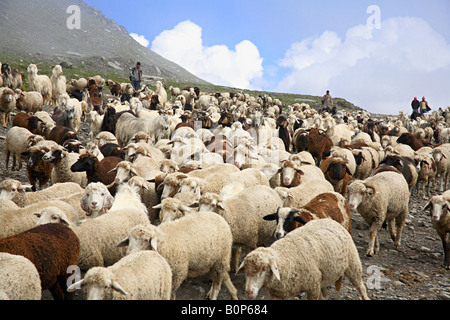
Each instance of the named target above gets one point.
<point>378,55</point>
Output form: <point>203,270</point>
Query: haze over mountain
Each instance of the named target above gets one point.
<point>36,30</point>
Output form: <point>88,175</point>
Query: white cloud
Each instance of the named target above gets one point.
<point>240,67</point>
<point>379,70</point>
<point>141,39</point>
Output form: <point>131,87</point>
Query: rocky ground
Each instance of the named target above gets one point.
<point>414,273</point>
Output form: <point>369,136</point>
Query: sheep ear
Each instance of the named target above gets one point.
<point>273,266</point>
<point>220,205</point>
<point>109,201</point>
<point>154,244</point>
<point>112,171</point>
<point>159,206</point>
<point>196,204</point>
<point>300,220</point>
<point>241,268</point>
<point>124,243</point>
<point>271,217</point>
<point>116,286</point>
<point>133,171</point>
<point>185,209</point>
<point>427,206</point>
<point>75,286</point>
<point>348,170</point>
<point>84,205</point>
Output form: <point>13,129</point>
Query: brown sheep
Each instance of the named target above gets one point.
<point>52,248</point>
<point>319,145</point>
<point>336,171</point>
<point>97,171</point>
<point>410,140</point>
<point>326,205</point>
<point>27,121</point>
<point>61,134</point>
<point>405,165</point>
<point>37,169</point>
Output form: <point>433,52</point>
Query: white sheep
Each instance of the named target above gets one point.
<point>383,197</point>
<point>174,91</point>
<point>99,236</point>
<point>65,102</point>
<point>143,275</point>
<point>299,196</point>
<point>293,174</point>
<point>427,170</point>
<point>208,251</point>
<point>59,86</point>
<point>17,220</point>
<point>441,156</point>
<point>62,161</point>
<point>105,137</point>
<point>439,206</point>
<point>217,177</point>
<point>161,92</point>
<point>96,200</point>
<point>172,209</point>
<point>40,83</point>
<point>19,278</point>
<point>320,254</point>
<point>29,102</point>
<point>128,125</point>
<point>244,212</point>
<point>17,141</point>
<point>7,104</point>
<point>16,191</point>
<point>365,163</point>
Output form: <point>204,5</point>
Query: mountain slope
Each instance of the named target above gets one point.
<point>36,29</point>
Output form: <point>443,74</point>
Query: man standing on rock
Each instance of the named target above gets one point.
<point>136,76</point>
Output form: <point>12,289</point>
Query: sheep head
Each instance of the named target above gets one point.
<point>258,265</point>
<point>287,220</point>
<point>141,237</point>
<point>358,192</point>
<point>289,170</point>
<point>96,200</point>
<point>172,209</point>
<point>99,283</point>
<point>438,206</point>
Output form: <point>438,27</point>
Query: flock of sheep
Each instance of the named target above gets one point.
<point>179,184</point>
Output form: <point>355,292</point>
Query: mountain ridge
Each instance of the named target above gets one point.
<point>37,30</point>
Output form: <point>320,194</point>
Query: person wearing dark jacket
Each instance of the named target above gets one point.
<point>415,105</point>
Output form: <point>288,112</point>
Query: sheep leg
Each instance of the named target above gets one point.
<point>392,230</point>
<point>359,285</point>
<point>235,254</point>
<point>58,290</point>
<point>229,286</point>
<point>373,233</point>
<point>215,287</point>
<point>446,245</point>
<point>13,162</point>
<point>399,224</point>
<point>324,292</point>
<point>8,154</point>
<point>315,293</point>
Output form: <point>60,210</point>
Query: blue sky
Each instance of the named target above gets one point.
<point>303,47</point>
